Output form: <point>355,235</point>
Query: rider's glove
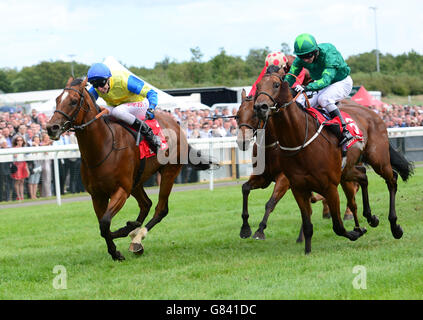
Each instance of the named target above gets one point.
<point>299,88</point>
<point>149,114</point>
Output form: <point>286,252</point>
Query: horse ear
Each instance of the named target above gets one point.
<point>69,82</point>
<point>84,83</point>
<point>243,94</point>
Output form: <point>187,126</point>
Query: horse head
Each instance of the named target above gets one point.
<point>273,93</point>
<point>69,104</point>
<point>247,122</point>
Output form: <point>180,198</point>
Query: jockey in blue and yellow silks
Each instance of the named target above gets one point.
<point>127,98</point>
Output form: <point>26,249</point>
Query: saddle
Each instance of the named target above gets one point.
<point>323,118</point>
<point>145,151</point>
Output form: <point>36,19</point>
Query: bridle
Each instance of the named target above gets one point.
<point>72,127</point>
<point>69,124</point>
<point>277,106</point>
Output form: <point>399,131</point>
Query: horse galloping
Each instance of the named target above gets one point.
<point>248,124</point>
<point>111,168</point>
<point>315,165</point>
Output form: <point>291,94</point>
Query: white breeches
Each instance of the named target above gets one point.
<point>128,112</point>
<point>327,97</point>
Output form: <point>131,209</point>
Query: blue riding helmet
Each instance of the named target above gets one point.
<point>98,71</point>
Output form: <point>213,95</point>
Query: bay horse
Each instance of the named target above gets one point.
<point>315,165</point>
<point>248,124</point>
<point>111,168</point>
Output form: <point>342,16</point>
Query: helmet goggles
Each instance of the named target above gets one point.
<point>99,82</point>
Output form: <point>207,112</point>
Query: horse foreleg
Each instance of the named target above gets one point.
<point>303,201</point>
<point>253,183</point>
<point>117,200</point>
<point>281,186</point>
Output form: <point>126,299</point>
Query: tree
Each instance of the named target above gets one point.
<point>285,48</point>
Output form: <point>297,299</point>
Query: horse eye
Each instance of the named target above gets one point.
<point>276,85</point>
<point>74,102</point>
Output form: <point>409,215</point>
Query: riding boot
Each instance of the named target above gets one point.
<point>143,128</point>
<point>345,135</point>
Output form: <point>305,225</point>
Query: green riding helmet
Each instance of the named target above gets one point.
<point>304,43</point>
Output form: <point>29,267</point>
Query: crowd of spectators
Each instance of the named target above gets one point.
<point>399,116</point>
<point>34,179</point>
<point>207,123</point>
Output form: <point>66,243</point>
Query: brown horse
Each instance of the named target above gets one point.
<point>111,168</point>
<point>315,165</point>
<point>248,124</point>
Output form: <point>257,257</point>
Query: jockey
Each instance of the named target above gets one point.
<point>127,97</point>
<point>331,75</point>
<point>278,60</point>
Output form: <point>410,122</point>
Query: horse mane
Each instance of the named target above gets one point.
<point>76,82</point>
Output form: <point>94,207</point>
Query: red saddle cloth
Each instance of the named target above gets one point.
<point>145,151</point>
<point>351,125</point>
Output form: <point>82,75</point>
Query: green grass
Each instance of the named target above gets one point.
<point>196,251</point>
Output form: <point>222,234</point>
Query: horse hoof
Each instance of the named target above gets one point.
<point>361,230</point>
<point>374,221</point>
<point>259,236</point>
<point>136,248</point>
<point>348,216</point>
<point>245,233</point>
<point>353,235</point>
<point>118,256</point>
<point>397,232</point>
<point>326,215</point>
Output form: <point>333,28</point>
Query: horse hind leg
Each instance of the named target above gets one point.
<point>168,176</point>
<point>144,203</point>
<point>396,229</point>
<point>332,197</point>
<point>350,189</point>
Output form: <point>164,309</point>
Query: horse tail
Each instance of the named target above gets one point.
<point>400,164</point>
<point>200,161</point>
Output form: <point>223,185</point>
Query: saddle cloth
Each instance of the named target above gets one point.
<point>352,127</point>
<point>145,151</point>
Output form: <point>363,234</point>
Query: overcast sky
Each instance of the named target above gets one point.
<point>143,32</point>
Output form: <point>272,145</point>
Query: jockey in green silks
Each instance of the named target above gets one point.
<point>331,75</point>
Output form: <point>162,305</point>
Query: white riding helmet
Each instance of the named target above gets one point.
<point>276,58</point>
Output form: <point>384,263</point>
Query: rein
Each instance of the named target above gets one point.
<point>72,127</point>
<point>71,119</point>
<point>276,106</point>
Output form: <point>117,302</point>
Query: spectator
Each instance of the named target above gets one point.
<point>35,169</point>
<point>6,182</point>
<point>22,171</point>
<point>205,131</point>
<point>34,116</point>
<point>46,173</point>
<point>7,136</point>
